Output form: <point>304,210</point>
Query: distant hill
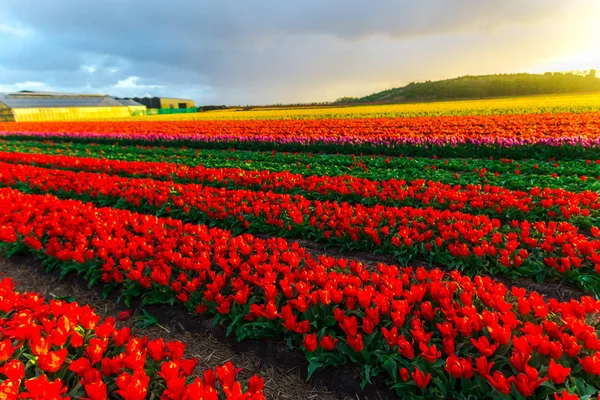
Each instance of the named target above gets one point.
<point>481,86</point>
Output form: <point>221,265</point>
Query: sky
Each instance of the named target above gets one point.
<point>284,51</point>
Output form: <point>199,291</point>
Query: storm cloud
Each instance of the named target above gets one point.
<point>259,52</point>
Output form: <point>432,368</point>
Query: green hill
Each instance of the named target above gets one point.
<point>482,86</point>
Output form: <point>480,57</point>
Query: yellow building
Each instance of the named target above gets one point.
<point>48,106</point>
<point>166,102</point>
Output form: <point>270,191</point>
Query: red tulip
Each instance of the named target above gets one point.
<point>355,342</point>
<point>519,360</point>
<point>80,366</point>
<point>459,367</point>
<point>53,360</point>
<point>96,390</point>
<point>528,382</point>
<point>406,349</point>
<point>591,364</point>
<point>42,388</point>
<point>557,373</point>
<point>448,345</point>
<point>327,342</point>
<point>6,349</point>
<point>431,354</point>
<point>404,374</point>
<point>156,349</point>
<point>565,395</point>
<point>483,346</point>
<point>125,315</point>
<point>483,367</point>
<point>76,340</point>
<point>421,380</point>
<point>310,342</point>
<point>9,389</point>
<point>13,370</point>
<point>95,350</point>
<point>133,386</point>
<point>499,382</point>
<point>256,385</point>
<point>226,374</point>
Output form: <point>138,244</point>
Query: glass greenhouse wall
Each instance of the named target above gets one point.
<point>46,106</point>
<point>6,114</point>
<point>69,114</point>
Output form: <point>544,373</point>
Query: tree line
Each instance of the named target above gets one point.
<point>499,85</point>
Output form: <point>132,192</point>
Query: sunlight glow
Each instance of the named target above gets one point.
<point>585,46</point>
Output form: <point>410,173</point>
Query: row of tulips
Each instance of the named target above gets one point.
<point>582,209</point>
<point>472,242</point>
<point>570,135</point>
<point>433,335</point>
<point>62,350</point>
<point>579,175</point>
<point>345,162</point>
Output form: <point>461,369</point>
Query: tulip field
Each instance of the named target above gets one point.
<point>269,226</point>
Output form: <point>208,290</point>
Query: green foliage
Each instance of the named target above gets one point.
<point>347,99</point>
<point>469,87</point>
<point>146,320</point>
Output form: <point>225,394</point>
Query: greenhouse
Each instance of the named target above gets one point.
<point>49,106</point>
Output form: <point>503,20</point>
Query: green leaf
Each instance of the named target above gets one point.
<point>66,271</point>
<point>366,376</point>
<point>69,299</point>
<point>391,367</point>
<point>233,323</point>
<point>108,288</point>
<point>146,320</point>
<point>313,365</point>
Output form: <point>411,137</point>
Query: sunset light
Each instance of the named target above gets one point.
<point>300,200</point>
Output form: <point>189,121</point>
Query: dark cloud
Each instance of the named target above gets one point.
<point>270,51</point>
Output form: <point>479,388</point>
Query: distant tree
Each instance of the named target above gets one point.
<point>346,99</point>
<point>591,74</point>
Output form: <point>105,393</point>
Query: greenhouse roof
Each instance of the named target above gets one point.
<point>49,100</point>
<point>129,102</point>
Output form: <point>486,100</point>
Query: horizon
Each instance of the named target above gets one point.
<point>284,53</point>
<point>333,102</point>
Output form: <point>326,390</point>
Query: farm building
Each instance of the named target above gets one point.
<point>49,106</point>
<point>135,108</point>
<point>167,105</point>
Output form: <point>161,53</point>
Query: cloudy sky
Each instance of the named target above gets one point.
<point>282,51</point>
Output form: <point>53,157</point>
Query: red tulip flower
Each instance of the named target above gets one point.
<point>310,342</point>
<point>557,373</point>
<point>421,380</point>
